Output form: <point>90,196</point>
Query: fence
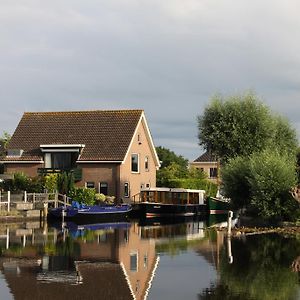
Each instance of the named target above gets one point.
<point>27,201</point>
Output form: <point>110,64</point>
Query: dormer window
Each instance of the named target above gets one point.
<point>61,157</point>
<point>15,152</point>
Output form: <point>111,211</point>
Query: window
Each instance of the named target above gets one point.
<point>134,163</point>
<point>63,160</point>
<point>90,185</point>
<point>133,261</point>
<point>103,188</point>
<point>126,189</point>
<point>147,164</point>
<point>146,261</point>
<point>213,172</point>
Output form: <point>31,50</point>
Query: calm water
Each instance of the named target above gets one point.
<point>145,261</point>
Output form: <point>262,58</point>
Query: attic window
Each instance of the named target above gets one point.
<point>15,152</point>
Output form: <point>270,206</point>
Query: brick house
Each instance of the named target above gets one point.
<point>208,163</point>
<point>111,150</point>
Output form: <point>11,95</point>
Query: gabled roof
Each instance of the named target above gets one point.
<point>106,134</point>
<point>206,157</point>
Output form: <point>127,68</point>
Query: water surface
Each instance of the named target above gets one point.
<point>145,260</point>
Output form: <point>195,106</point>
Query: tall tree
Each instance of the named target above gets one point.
<point>167,157</point>
<point>240,125</point>
<point>4,140</point>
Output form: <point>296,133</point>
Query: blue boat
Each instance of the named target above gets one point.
<point>91,212</point>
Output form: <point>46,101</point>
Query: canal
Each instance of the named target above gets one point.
<point>145,260</point>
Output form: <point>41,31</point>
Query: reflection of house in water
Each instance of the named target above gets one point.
<point>104,264</point>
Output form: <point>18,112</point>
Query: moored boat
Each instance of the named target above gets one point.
<point>91,212</point>
<point>168,202</point>
<point>218,205</point>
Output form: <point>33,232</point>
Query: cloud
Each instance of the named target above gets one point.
<point>167,57</point>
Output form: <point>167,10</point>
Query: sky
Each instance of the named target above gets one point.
<point>167,57</point>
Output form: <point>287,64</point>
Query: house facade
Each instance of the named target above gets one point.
<point>111,151</point>
<point>208,164</point>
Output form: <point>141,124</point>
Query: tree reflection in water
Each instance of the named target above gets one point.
<point>262,269</point>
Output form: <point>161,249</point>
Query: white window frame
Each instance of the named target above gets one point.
<point>138,163</point>
<point>128,194</point>
<point>134,253</point>
<point>86,183</point>
<point>99,186</point>
<point>147,161</point>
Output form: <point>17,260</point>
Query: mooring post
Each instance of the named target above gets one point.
<point>230,215</point>
<point>8,201</point>
<point>25,196</point>
<point>230,256</point>
<point>45,211</point>
<point>229,221</point>
<point>7,237</point>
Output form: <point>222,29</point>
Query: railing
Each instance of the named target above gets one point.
<point>136,198</point>
<point>3,197</point>
<point>28,201</point>
<point>77,172</point>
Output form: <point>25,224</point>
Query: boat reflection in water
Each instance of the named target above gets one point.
<point>87,261</point>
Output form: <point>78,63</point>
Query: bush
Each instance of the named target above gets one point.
<point>262,182</point>
<point>50,182</point>
<point>65,183</point>
<point>195,184</point>
<point>83,195</point>
<point>271,178</point>
<point>22,182</point>
<point>235,181</point>
<point>100,198</point>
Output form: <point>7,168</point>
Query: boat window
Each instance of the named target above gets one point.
<point>135,163</point>
<point>147,164</point>
<point>90,185</point>
<point>126,189</point>
<point>103,188</point>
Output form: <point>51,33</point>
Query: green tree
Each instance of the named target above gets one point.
<point>262,182</point>
<point>65,183</point>
<point>235,181</point>
<point>167,157</point>
<point>240,125</point>
<point>5,139</point>
<point>272,176</point>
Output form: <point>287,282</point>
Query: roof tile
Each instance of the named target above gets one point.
<point>106,133</point>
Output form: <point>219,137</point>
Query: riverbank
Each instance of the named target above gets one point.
<point>16,216</point>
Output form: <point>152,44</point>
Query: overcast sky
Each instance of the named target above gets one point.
<point>168,57</point>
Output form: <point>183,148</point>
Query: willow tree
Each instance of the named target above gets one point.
<point>257,149</point>
<point>240,125</point>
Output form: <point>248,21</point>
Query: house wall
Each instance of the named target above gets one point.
<point>141,146</point>
<point>101,172</point>
<point>144,252</point>
<point>30,169</point>
<point>206,166</point>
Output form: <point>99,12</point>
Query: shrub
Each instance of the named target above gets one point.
<point>271,178</point>
<point>99,197</point>
<point>65,183</point>
<point>262,182</point>
<point>50,182</point>
<point>196,184</point>
<point>83,195</point>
